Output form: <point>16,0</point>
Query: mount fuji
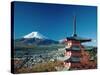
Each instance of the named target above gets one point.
<point>35,35</point>
<point>35,38</point>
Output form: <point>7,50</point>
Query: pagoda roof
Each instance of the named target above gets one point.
<point>77,48</point>
<point>80,39</point>
<point>75,37</point>
<point>73,59</point>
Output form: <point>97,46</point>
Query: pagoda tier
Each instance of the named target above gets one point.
<point>77,48</point>
<point>73,59</point>
<point>78,39</point>
<point>73,53</point>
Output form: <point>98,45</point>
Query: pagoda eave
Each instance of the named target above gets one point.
<point>78,39</point>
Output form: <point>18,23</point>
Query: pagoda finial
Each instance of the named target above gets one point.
<point>74,26</point>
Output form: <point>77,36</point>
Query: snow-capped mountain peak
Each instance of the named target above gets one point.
<point>34,35</point>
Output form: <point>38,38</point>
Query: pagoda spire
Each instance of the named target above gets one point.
<point>74,26</point>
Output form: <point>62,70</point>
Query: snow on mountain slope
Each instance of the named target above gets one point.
<point>35,35</point>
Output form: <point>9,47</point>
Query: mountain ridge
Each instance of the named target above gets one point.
<point>35,38</point>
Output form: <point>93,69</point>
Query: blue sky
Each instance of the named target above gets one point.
<point>54,21</point>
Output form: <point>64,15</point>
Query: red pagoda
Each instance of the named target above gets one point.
<point>76,56</point>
